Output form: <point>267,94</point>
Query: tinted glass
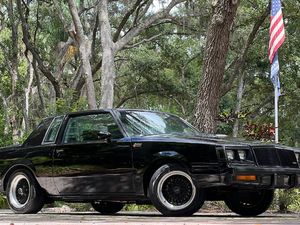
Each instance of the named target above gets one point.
<point>53,130</point>
<point>88,128</point>
<point>154,123</point>
<point>37,135</point>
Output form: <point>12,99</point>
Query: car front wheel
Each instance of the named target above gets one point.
<point>107,208</point>
<point>249,203</point>
<point>23,193</point>
<point>173,192</point>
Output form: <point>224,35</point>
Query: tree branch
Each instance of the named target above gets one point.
<point>125,19</point>
<point>61,16</point>
<point>34,52</point>
<point>97,67</point>
<point>138,14</point>
<point>137,93</point>
<point>143,41</point>
<point>142,26</point>
<point>240,62</point>
<point>94,34</point>
<point>76,21</point>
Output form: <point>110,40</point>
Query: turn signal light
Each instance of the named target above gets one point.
<point>246,178</point>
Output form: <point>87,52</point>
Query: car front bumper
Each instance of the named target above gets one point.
<point>267,178</point>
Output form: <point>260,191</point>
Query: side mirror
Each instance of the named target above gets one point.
<point>104,136</point>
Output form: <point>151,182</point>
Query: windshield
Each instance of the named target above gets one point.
<point>154,123</point>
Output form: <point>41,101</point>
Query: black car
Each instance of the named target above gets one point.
<point>112,157</point>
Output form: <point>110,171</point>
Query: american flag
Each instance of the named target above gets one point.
<point>277,36</point>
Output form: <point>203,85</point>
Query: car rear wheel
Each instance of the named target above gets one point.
<point>24,195</point>
<point>107,208</point>
<point>250,203</point>
<point>173,192</point>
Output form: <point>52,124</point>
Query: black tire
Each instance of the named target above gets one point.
<point>24,195</point>
<point>173,193</point>
<point>107,208</point>
<point>250,203</point>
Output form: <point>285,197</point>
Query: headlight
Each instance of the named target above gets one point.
<point>230,154</point>
<point>239,154</point>
<point>297,156</point>
<point>242,154</point>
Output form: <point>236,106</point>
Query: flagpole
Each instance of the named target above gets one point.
<point>276,114</point>
<point>277,36</point>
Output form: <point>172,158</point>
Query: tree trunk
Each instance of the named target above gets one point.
<point>39,88</point>
<point>85,55</point>
<point>14,72</point>
<point>107,79</point>
<point>5,106</point>
<point>224,12</point>
<point>27,93</point>
<point>108,72</point>
<point>84,45</point>
<point>238,104</point>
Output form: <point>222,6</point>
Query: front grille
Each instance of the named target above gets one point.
<point>287,158</point>
<point>267,157</point>
<point>275,157</point>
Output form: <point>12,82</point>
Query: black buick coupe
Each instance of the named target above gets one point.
<point>113,157</point>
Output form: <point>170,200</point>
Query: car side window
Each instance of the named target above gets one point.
<point>53,130</point>
<point>88,128</point>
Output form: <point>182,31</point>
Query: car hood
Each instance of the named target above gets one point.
<point>202,139</point>
<point>11,147</point>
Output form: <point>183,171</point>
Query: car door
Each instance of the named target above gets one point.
<point>93,157</point>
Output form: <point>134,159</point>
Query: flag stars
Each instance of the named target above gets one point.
<point>276,6</point>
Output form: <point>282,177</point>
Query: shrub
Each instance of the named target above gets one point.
<point>287,200</point>
<point>3,202</point>
<point>135,207</point>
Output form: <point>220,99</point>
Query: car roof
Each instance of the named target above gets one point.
<point>88,112</point>
<point>110,110</point>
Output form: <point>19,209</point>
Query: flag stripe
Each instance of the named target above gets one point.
<point>277,26</point>
<point>276,44</point>
<point>277,32</point>
<point>275,18</point>
<point>275,37</point>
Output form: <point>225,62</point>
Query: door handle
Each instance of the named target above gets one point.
<point>58,152</point>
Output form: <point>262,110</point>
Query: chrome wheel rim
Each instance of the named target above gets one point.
<point>19,193</point>
<point>176,190</point>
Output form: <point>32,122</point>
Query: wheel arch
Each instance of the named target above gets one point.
<point>14,168</point>
<point>165,158</point>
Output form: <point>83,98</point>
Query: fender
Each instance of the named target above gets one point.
<point>160,158</point>
<point>26,164</point>
<point>169,155</point>
<point>45,182</point>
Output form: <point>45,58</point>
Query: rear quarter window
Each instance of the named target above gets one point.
<point>53,130</point>
<point>37,135</point>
